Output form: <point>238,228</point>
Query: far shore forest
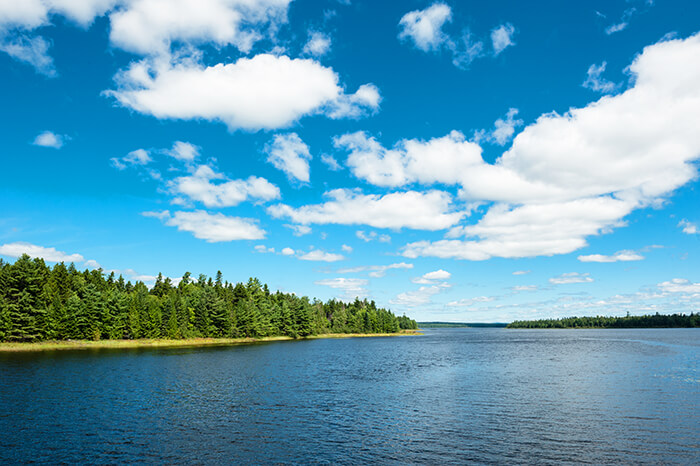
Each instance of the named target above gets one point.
<point>647,321</point>
<point>39,303</point>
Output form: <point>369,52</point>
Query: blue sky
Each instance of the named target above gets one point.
<point>457,161</point>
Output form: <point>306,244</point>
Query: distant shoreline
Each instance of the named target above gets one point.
<point>21,347</point>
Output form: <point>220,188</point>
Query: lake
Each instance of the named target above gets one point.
<point>449,396</point>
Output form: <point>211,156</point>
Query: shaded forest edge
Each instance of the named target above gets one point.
<point>41,303</point>
<point>645,321</point>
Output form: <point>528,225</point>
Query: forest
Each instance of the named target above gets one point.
<point>38,303</point>
<point>646,321</point>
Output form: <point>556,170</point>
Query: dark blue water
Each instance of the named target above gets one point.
<point>450,396</point>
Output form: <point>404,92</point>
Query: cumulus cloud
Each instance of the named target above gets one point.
<point>505,128</point>
<point>372,236</point>
<point>351,287</point>
<point>431,277</point>
<point>572,277</point>
<point>299,230</point>
<point>318,45</point>
<point>595,82</point>
<point>502,37</point>
<point>320,256</point>
<point>288,252</point>
<point>620,256</point>
<point>679,285</point>
<point>688,227</point>
<point>424,27</point>
<point>567,177</point>
<point>184,151</point>
<point>49,139</point>
<point>376,271</point>
<point>425,30</point>
<point>49,254</point>
<point>151,26</point>
<point>438,160</point>
<point>201,186</point>
<point>419,211</point>
<point>136,157</point>
<point>145,27</point>
<point>420,297</point>
<point>262,92</point>
<point>287,152</point>
<point>212,228</point>
<point>522,272</point>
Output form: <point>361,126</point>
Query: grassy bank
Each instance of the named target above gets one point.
<point>163,343</point>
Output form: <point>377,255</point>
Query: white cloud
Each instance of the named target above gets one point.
<point>567,177</point>
<point>351,287</point>
<point>31,50</point>
<point>469,302</point>
<point>419,211</point>
<point>437,275</point>
<point>424,27</point>
<point>465,51</point>
<point>680,285</point>
<point>502,37</point>
<point>364,101</point>
<point>213,228</point>
<point>162,215</point>
<point>572,277</point>
<point>520,288</point>
<point>287,152</point>
<point>200,186</point>
<point>613,28</point>
<point>688,227</point>
<point>184,151</point>
<point>318,45</point>
<point>595,82</point>
<point>93,264</point>
<point>376,271</point>
<point>431,277</point>
<point>146,27</point>
<point>332,163</point>
<point>522,272</point>
<point>288,252</point>
<point>620,256</point>
<point>48,254</point>
<point>420,297</point>
<point>439,160</point>
<point>504,129</point>
<point>346,248</point>
<point>321,256</point>
<point>262,249</point>
<point>372,236</point>
<point>136,157</point>
<point>49,139</point>
<point>151,26</point>
<point>262,92</point>
<point>299,230</point>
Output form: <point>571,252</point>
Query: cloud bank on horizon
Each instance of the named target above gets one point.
<point>265,122</point>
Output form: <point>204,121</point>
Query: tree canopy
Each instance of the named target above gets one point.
<point>38,302</point>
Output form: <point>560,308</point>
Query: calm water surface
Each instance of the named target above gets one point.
<point>450,396</point>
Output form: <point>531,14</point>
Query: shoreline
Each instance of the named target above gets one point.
<point>20,347</point>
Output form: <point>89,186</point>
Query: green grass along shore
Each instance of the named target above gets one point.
<point>14,347</point>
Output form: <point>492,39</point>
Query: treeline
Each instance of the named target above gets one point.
<point>38,302</point>
<point>646,321</point>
